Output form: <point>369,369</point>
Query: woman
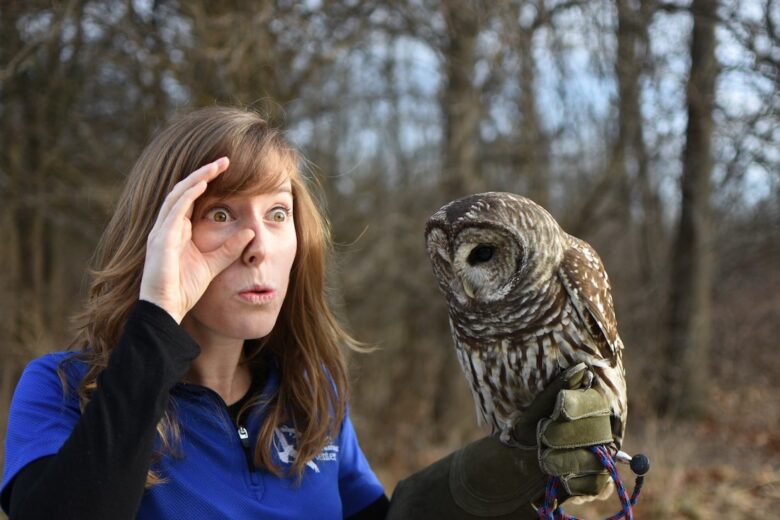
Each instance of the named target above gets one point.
<point>207,380</point>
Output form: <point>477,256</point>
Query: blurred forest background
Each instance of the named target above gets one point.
<point>648,128</point>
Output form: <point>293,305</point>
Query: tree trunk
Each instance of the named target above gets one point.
<point>534,143</point>
<point>632,43</point>
<point>692,261</point>
<point>460,167</point>
<point>461,102</point>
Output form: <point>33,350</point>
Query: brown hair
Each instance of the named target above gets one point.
<point>306,338</point>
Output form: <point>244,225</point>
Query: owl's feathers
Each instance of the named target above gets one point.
<point>526,301</point>
<point>586,281</point>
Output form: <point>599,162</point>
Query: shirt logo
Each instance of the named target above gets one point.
<point>284,444</point>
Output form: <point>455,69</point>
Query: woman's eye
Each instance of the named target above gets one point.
<point>279,214</point>
<point>218,215</point>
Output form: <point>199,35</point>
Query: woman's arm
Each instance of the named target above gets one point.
<point>101,468</point>
<point>489,479</point>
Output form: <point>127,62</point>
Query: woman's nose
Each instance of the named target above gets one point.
<point>255,251</point>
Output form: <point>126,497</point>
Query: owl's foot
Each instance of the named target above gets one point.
<point>587,380</point>
<point>578,377</point>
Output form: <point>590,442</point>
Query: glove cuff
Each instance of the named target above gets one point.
<point>488,478</point>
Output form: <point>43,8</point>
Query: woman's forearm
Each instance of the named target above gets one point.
<point>101,468</point>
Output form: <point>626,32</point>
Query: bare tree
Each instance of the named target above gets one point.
<point>461,103</point>
<point>692,262</point>
<point>630,156</point>
<point>37,91</point>
<point>264,54</point>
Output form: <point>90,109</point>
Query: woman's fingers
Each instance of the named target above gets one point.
<point>228,252</point>
<point>205,173</point>
<point>184,205</point>
<point>175,272</point>
<point>170,232</point>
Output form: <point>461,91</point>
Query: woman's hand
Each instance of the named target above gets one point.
<point>176,273</point>
<point>490,479</point>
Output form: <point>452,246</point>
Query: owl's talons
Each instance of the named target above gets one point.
<point>587,380</point>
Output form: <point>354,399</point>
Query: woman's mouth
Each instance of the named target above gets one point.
<point>257,294</point>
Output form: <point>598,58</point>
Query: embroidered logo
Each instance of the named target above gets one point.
<point>284,444</point>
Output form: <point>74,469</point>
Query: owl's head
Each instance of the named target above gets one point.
<point>487,246</point>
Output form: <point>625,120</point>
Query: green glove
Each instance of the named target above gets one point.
<point>490,479</point>
<point>580,418</point>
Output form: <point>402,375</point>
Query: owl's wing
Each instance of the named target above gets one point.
<point>587,283</point>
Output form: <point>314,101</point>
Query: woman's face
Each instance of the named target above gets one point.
<point>244,300</point>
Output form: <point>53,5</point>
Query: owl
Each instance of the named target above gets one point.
<point>526,301</point>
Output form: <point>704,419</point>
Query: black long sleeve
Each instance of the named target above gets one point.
<point>377,510</point>
<point>101,468</point>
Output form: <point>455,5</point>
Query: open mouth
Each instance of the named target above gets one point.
<point>257,294</point>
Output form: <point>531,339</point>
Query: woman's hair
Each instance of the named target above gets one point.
<point>306,339</point>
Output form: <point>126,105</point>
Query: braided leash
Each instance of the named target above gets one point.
<point>639,465</point>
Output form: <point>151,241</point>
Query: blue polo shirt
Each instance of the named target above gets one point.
<point>213,477</point>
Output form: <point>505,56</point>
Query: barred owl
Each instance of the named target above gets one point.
<point>526,301</point>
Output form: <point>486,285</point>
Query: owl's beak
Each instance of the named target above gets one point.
<point>467,288</point>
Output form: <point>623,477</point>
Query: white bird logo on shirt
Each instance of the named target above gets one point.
<point>286,450</point>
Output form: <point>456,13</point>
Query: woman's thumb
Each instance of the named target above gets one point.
<point>228,252</point>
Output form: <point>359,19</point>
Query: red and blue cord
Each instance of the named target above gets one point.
<point>639,464</point>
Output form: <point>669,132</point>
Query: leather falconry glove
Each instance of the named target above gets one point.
<point>488,479</point>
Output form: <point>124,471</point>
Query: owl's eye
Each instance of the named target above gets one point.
<point>481,254</point>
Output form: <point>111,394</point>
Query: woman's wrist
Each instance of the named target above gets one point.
<point>176,315</point>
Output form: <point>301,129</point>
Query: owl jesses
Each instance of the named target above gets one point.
<point>526,301</point>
